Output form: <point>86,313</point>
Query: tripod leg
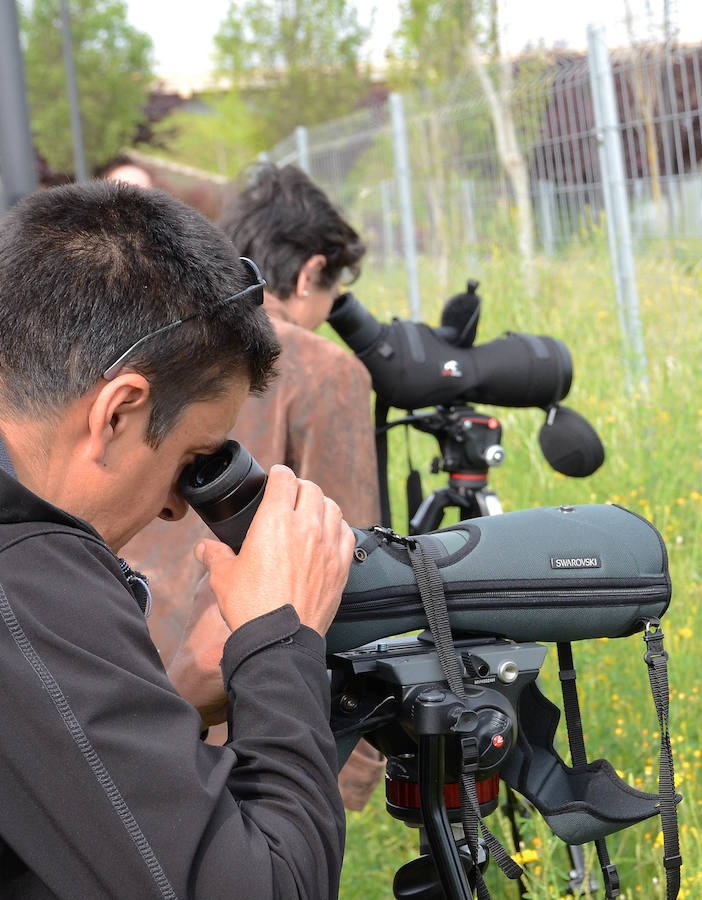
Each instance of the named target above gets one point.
<point>430,513</point>
<point>488,503</point>
<point>431,788</point>
<point>510,808</point>
<point>580,884</point>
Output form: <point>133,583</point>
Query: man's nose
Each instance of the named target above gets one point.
<point>176,506</point>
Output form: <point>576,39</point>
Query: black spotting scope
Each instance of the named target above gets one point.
<point>413,365</point>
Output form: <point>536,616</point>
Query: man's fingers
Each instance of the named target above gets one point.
<point>211,552</point>
<point>281,489</point>
<point>310,498</point>
<point>332,517</point>
<point>285,492</point>
<point>348,540</point>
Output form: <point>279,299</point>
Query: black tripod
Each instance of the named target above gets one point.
<point>470,444</point>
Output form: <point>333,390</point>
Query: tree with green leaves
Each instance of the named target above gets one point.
<point>442,40</point>
<point>297,62</point>
<point>222,139</point>
<point>114,73</point>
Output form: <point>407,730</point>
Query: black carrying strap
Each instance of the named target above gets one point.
<point>413,485</point>
<point>656,659</point>
<point>381,449</point>
<point>571,707</point>
<point>431,590</point>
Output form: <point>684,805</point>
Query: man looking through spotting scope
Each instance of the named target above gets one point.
<point>315,417</point>
<point>131,335</point>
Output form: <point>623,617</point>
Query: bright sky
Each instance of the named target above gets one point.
<point>183,31</point>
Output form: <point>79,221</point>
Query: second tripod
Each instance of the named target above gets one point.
<point>470,446</point>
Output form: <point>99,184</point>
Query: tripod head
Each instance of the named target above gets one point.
<point>395,694</point>
<point>469,441</point>
<point>470,444</point>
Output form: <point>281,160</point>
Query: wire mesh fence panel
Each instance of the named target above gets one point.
<point>464,205</point>
<point>660,90</point>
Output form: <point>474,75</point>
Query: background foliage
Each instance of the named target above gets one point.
<point>298,61</point>
<point>113,71</point>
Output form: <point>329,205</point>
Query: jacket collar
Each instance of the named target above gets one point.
<point>19,504</point>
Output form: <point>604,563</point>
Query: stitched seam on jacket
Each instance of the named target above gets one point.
<point>68,530</point>
<point>88,753</point>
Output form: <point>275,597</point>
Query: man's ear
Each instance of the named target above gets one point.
<point>121,407</point>
<point>309,274</point>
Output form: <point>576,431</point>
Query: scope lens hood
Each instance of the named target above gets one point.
<point>354,323</point>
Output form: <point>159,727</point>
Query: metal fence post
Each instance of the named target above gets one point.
<point>73,96</point>
<point>615,197</point>
<point>546,207</point>
<point>303,149</point>
<point>404,192</point>
<point>388,235</point>
<point>16,148</point>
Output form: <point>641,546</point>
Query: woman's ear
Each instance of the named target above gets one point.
<point>121,407</point>
<point>308,277</point>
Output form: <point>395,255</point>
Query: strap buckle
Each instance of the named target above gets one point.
<point>470,755</point>
<point>672,862</point>
<point>387,534</point>
<point>653,636</point>
<point>610,876</point>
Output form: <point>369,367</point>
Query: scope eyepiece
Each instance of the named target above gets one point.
<point>225,489</point>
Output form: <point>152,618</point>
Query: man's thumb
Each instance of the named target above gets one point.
<point>211,552</point>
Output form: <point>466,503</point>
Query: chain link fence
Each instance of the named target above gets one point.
<point>612,146</point>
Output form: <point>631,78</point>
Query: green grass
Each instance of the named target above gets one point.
<point>653,439</point>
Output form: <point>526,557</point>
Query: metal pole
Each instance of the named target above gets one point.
<point>546,192</point>
<point>615,197</point>
<point>303,150</point>
<point>404,192</point>
<point>17,167</point>
<point>386,205</point>
<point>81,172</point>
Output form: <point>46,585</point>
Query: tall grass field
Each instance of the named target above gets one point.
<point>652,434</point>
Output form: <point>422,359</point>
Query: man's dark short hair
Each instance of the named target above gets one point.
<point>281,219</point>
<point>86,270</point>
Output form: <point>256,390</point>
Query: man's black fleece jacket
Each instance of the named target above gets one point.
<point>105,788</point>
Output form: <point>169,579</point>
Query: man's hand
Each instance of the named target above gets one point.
<point>298,550</point>
<point>195,671</point>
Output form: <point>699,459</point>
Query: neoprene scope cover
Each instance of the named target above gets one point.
<point>413,366</point>
<point>564,573</point>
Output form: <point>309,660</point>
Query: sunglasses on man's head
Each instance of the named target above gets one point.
<point>255,291</point>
